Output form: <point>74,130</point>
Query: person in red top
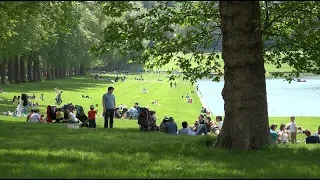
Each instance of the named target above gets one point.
<point>92,117</point>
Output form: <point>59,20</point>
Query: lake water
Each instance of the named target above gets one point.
<point>284,99</point>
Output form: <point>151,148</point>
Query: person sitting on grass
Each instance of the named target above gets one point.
<point>59,115</point>
<point>163,124</point>
<point>29,115</point>
<point>34,117</point>
<point>220,122</point>
<point>311,139</point>
<point>171,127</point>
<point>92,117</point>
<point>72,120</point>
<point>283,134</point>
<point>144,90</point>
<point>155,102</point>
<point>42,118</point>
<point>274,135</point>
<point>186,130</point>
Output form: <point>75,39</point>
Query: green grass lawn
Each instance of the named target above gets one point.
<point>49,150</point>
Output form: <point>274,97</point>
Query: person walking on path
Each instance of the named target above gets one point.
<point>109,105</point>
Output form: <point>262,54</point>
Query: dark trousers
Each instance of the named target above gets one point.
<point>108,114</point>
<point>92,123</point>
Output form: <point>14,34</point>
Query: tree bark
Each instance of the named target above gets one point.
<point>38,71</point>
<point>34,69</point>
<point>48,71</point>
<point>3,72</point>
<point>29,68</point>
<point>16,70</point>
<point>57,73</point>
<point>70,71</point>
<point>22,70</point>
<point>53,72</point>
<point>246,123</point>
<point>10,71</point>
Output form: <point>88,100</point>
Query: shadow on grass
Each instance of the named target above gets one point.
<point>43,150</point>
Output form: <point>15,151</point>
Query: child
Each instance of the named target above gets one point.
<point>58,98</point>
<point>59,115</point>
<point>293,130</point>
<point>42,118</point>
<point>92,117</point>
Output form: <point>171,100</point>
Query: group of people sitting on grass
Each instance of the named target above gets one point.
<point>288,133</point>
<point>202,126</point>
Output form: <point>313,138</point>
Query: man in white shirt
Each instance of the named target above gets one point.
<point>35,117</point>
<point>187,130</point>
<point>293,130</point>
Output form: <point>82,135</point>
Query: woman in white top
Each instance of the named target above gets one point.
<point>283,134</point>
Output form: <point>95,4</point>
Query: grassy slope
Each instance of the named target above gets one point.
<point>54,151</point>
<point>268,67</point>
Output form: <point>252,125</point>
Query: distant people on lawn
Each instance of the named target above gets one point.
<point>109,105</point>
<point>144,90</point>
<point>171,84</point>
<point>59,98</point>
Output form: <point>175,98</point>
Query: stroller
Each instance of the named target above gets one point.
<point>82,116</point>
<point>51,113</point>
<point>145,121</point>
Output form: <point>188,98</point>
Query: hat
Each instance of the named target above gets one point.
<point>166,118</point>
<point>91,106</point>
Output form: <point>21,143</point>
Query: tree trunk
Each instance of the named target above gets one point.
<point>246,115</point>
<point>48,72</point>
<point>29,67</point>
<point>16,70</point>
<point>35,76</point>
<point>57,73</point>
<point>3,72</point>
<point>64,72</point>
<point>22,70</point>
<point>70,71</point>
<point>38,71</point>
<point>10,71</point>
<point>53,72</point>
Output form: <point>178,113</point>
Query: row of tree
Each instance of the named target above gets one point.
<point>49,38</point>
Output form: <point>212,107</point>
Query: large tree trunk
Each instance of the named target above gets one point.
<point>246,115</point>
<point>16,70</point>
<point>3,72</point>
<point>38,71</point>
<point>22,70</point>
<point>29,67</point>
<point>10,71</point>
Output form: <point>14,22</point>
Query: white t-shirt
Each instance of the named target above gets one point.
<point>283,136</point>
<point>220,125</point>
<point>293,126</point>
<point>35,117</point>
<point>187,131</point>
<point>72,117</point>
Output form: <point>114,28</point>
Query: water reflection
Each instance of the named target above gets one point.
<point>284,99</point>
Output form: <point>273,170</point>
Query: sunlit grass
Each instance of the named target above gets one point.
<point>51,150</point>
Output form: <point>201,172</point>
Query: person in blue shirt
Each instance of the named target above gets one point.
<point>171,127</point>
<point>274,135</point>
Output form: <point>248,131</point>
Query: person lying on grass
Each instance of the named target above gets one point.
<point>311,139</point>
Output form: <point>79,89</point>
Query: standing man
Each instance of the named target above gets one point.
<point>109,105</point>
